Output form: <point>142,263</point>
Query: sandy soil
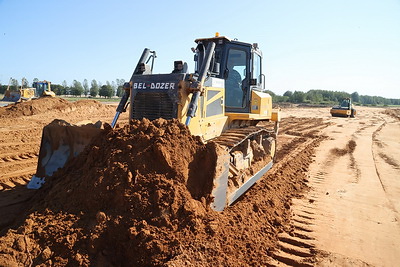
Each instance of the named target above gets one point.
<point>332,198</point>
<point>351,212</point>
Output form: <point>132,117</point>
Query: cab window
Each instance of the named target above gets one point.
<point>235,74</point>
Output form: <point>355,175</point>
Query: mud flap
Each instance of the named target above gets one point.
<point>61,141</point>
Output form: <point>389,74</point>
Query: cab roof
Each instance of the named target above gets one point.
<point>220,40</point>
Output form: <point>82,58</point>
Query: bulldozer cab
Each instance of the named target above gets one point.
<point>40,87</point>
<point>239,64</point>
<point>43,89</point>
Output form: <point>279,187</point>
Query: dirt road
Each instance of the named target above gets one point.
<point>352,210</point>
<point>332,199</point>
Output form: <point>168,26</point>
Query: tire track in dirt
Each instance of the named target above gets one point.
<point>377,150</point>
<point>375,140</point>
<point>19,157</point>
<point>345,207</point>
<point>297,247</point>
<point>296,244</point>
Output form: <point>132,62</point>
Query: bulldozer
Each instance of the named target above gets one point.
<point>222,102</point>
<point>344,109</point>
<point>39,89</point>
<point>18,94</point>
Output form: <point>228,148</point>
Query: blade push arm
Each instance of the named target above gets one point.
<point>198,85</point>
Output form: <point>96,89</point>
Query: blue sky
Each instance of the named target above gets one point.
<point>351,45</point>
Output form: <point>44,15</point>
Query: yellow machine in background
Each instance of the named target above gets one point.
<point>18,94</point>
<point>39,89</point>
<point>43,88</point>
<point>345,109</point>
<point>222,102</point>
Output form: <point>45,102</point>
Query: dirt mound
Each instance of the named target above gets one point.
<point>130,199</point>
<point>394,112</point>
<point>122,198</point>
<point>44,104</point>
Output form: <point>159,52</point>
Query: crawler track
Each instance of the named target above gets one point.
<point>234,137</point>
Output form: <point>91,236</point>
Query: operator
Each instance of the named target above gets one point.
<point>233,85</point>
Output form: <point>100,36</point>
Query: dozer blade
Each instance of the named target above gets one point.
<point>221,194</point>
<point>61,141</point>
<point>11,96</point>
<point>244,156</point>
<point>232,197</point>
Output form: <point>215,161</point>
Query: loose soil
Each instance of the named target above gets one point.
<point>133,197</point>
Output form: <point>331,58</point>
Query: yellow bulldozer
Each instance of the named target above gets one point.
<point>222,102</point>
<point>39,89</point>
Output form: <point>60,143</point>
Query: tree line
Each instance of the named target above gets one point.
<point>325,97</point>
<point>115,88</point>
<point>76,88</point>
<point>96,88</point>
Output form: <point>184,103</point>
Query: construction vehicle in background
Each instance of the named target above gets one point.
<point>39,89</point>
<point>43,89</point>
<point>15,94</point>
<point>222,102</point>
<point>345,109</point>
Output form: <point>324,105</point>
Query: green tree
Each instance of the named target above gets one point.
<point>58,89</point>
<point>288,93</point>
<point>103,91</point>
<point>110,88</point>
<point>314,96</point>
<point>76,88</point>
<point>85,87</point>
<point>120,87</point>
<point>355,97</point>
<point>94,88</point>
<point>25,83</point>
<point>114,88</point>
<point>106,90</point>
<point>67,90</point>
<point>298,97</point>
<point>14,84</point>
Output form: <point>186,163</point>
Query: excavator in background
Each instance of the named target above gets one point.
<point>345,109</point>
<point>222,102</point>
<point>39,89</point>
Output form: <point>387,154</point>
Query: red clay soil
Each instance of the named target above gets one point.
<point>44,104</point>
<point>139,196</point>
